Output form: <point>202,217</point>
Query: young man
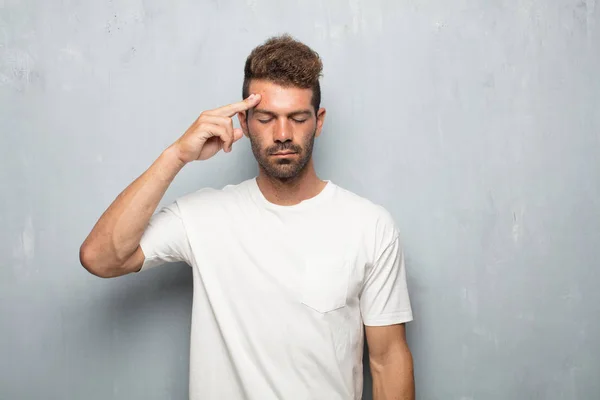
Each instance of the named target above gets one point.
<point>288,269</point>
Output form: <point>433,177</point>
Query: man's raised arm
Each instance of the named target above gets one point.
<point>113,246</point>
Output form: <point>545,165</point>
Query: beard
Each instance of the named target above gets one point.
<point>283,168</point>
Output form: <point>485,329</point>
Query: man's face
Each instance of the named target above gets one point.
<point>282,128</point>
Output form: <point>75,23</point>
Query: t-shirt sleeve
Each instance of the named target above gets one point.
<point>384,299</point>
<point>165,239</point>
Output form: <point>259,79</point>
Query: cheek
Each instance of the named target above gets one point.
<point>258,129</point>
<point>308,131</point>
<point>257,135</point>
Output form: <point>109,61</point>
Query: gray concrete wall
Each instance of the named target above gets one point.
<point>477,124</point>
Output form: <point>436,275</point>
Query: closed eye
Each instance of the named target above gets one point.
<point>300,121</point>
<point>265,121</point>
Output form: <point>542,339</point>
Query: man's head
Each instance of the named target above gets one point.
<point>287,119</point>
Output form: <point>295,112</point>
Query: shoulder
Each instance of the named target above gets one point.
<point>208,196</point>
<point>376,218</point>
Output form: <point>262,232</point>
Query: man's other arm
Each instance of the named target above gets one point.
<point>391,363</point>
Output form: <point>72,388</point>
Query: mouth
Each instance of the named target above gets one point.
<point>283,153</point>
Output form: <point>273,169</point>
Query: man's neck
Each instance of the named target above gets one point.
<point>289,192</point>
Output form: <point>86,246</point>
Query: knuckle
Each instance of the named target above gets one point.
<point>226,125</point>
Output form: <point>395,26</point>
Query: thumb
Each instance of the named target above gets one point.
<point>237,134</point>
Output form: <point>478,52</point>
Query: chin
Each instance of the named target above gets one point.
<point>279,171</point>
<point>283,174</point>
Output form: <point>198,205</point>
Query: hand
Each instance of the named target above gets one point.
<point>213,131</point>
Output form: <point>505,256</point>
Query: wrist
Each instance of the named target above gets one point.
<point>172,156</point>
<point>170,163</point>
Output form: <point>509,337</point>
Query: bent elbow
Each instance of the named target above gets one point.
<point>89,261</point>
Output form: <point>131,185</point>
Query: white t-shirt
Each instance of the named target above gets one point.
<point>281,293</point>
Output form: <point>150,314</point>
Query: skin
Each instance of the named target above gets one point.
<point>113,246</point>
<point>276,120</point>
<point>284,120</point>
<point>391,363</point>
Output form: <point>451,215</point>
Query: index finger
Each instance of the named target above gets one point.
<point>232,109</point>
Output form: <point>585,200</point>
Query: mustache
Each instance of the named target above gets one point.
<point>284,147</point>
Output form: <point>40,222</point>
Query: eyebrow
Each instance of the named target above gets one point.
<point>292,114</point>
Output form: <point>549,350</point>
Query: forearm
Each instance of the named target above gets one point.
<point>117,234</point>
<point>394,379</point>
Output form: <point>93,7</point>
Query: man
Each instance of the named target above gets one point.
<point>288,269</point>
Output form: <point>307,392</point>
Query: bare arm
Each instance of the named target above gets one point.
<point>391,363</point>
<point>113,246</point>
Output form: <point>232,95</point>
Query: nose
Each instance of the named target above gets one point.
<point>283,131</point>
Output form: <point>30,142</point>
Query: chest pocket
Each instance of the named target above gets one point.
<point>325,284</point>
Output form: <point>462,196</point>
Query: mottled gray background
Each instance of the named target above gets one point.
<point>476,123</point>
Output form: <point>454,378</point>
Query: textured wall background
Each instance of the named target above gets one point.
<point>477,124</point>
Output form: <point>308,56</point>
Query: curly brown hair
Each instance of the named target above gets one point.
<point>286,62</point>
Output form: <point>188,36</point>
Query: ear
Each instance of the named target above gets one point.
<point>320,120</point>
<point>243,121</point>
